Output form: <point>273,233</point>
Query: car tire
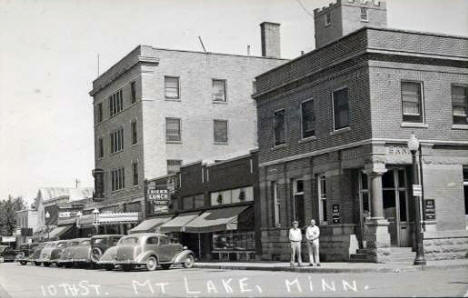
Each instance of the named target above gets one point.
<point>109,267</point>
<point>68,265</point>
<point>188,261</point>
<point>46,264</point>
<point>37,263</point>
<point>23,263</point>
<point>166,266</point>
<point>96,254</point>
<point>59,265</point>
<point>151,263</point>
<point>127,267</point>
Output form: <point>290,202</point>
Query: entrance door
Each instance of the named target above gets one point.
<point>395,203</point>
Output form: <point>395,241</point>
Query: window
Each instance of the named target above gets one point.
<point>279,127</point>
<point>411,98</point>
<point>232,196</point>
<point>298,201</point>
<point>134,132</point>
<point>322,194</point>
<point>173,166</point>
<point>308,119</point>
<point>465,188</point>
<point>173,130</point>
<point>133,91</point>
<point>219,90</point>
<point>135,173</point>
<point>117,140</point>
<point>220,130</point>
<point>460,104</point>
<point>363,14</point>
<point>327,19</point>
<point>115,103</point>
<point>193,202</point>
<point>340,109</point>
<point>171,87</point>
<point>100,148</point>
<point>364,195</point>
<point>118,179</point>
<point>99,112</point>
<point>152,241</point>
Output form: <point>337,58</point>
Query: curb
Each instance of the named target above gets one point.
<point>334,270</point>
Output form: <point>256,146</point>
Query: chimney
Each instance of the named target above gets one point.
<point>270,34</point>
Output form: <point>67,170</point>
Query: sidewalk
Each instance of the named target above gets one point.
<point>335,267</point>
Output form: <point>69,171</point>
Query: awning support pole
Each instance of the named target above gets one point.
<point>199,247</point>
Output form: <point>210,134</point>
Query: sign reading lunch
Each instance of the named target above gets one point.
<point>158,197</point>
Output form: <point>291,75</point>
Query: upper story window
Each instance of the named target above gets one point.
<point>173,131</point>
<point>115,103</point>
<point>193,202</point>
<point>412,102</point>
<point>364,15</point>
<point>99,112</point>
<point>133,91</point>
<point>340,109</point>
<point>219,90</point>
<point>134,132</point>
<point>220,130</point>
<point>173,166</point>
<point>460,104</point>
<point>327,19</point>
<point>171,87</point>
<point>322,195</point>
<point>118,179</point>
<point>308,119</point>
<point>135,173</point>
<point>100,148</point>
<point>232,196</point>
<point>279,127</point>
<point>117,140</point>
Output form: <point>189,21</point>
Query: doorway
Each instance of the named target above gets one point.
<point>395,204</point>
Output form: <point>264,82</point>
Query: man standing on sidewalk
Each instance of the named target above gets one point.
<point>312,236</point>
<point>295,238</point>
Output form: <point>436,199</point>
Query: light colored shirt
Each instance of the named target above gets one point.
<point>295,234</point>
<point>312,233</point>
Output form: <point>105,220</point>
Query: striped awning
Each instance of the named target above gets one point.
<point>150,225</point>
<point>178,223</point>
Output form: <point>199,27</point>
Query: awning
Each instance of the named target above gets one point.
<point>216,220</point>
<point>59,231</point>
<point>150,225</point>
<point>177,223</point>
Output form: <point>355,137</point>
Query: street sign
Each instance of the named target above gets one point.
<point>429,209</point>
<point>417,190</point>
<point>336,213</point>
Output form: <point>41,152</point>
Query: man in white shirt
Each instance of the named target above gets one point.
<point>295,238</point>
<point>312,236</point>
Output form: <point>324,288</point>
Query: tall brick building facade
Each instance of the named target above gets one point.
<point>333,127</point>
<point>157,109</point>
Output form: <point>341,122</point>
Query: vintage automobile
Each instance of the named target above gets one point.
<point>100,244</point>
<point>25,252</point>
<point>37,253</point>
<point>148,250</point>
<point>51,252</point>
<point>77,252</point>
<point>8,254</point>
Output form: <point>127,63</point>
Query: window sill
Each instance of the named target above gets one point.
<point>219,102</point>
<point>172,99</point>
<point>415,125</point>
<point>276,147</point>
<point>173,142</point>
<point>308,139</point>
<point>460,126</point>
<point>364,21</point>
<point>220,143</point>
<point>116,152</point>
<point>341,130</point>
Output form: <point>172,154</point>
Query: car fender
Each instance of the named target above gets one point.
<point>141,258</point>
<point>109,254</point>
<point>182,255</point>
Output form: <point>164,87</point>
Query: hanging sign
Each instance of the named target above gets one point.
<point>336,214</point>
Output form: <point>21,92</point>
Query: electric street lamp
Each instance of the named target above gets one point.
<point>47,216</point>
<point>96,219</point>
<point>78,223</point>
<point>414,146</point>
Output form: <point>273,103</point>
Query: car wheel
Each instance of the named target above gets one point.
<point>96,254</point>
<point>37,263</point>
<point>127,267</point>
<point>46,264</point>
<point>59,265</point>
<point>189,261</point>
<point>166,266</point>
<point>109,267</point>
<point>23,263</point>
<point>68,265</point>
<point>151,263</point>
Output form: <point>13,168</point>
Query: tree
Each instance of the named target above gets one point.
<point>8,210</point>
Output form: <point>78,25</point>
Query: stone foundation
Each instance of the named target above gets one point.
<point>445,245</point>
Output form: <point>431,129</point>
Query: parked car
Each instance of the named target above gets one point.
<point>148,250</point>
<point>46,253</point>
<point>25,252</point>
<point>9,254</point>
<point>72,251</point>
<point>57,252</point>
<point>100,244</point>
<point>37,253</point>
<point>81,255</point>
<point>2,248</point>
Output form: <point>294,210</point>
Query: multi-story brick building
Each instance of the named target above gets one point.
<point>157,109</point>
<point>333,139</point>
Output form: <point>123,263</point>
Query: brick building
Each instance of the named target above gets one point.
<point>211,208</point>
<point>157,109</point>
<point>334,127</point>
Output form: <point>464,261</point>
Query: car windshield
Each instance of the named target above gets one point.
<point>128,240</point>
<point>98,240</point>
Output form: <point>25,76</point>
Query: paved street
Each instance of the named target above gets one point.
<point>31,281</point>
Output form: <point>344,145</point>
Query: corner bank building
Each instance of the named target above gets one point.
<point>333,140</point>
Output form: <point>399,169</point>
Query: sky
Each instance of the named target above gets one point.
<point>48,60</point>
